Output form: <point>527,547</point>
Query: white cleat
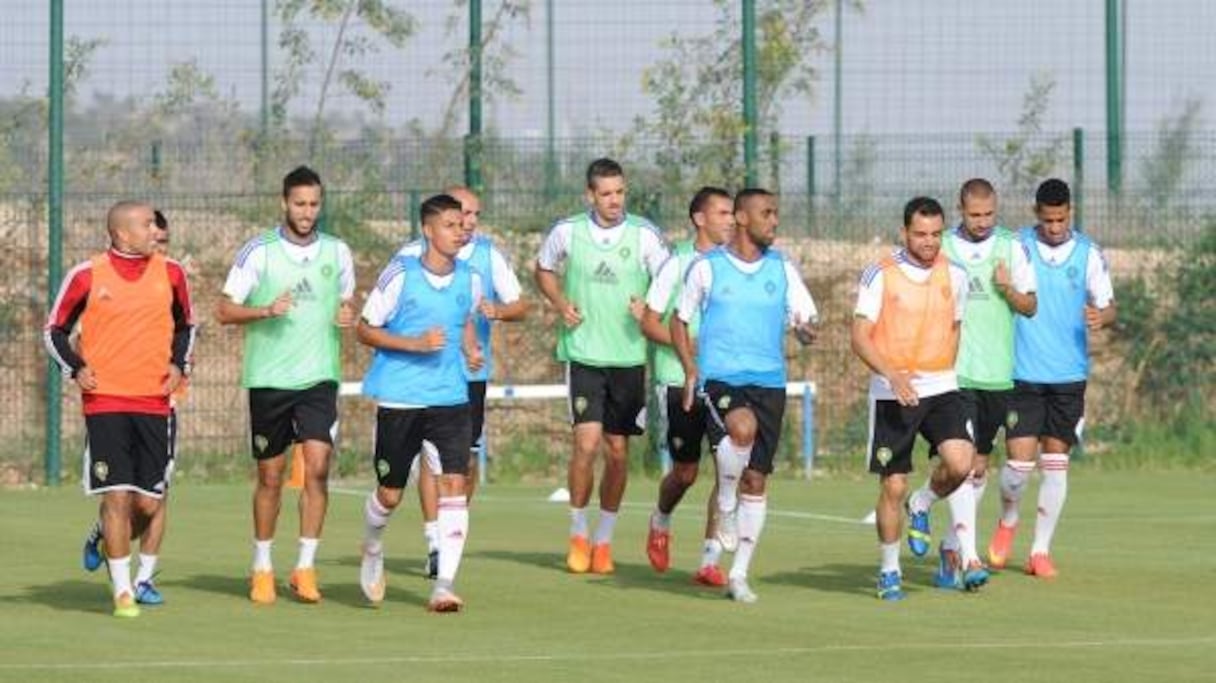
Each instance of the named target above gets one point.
<point>444,600</point>
<point>728,529</point>
<point>739,591</point>
<point>371,575</point>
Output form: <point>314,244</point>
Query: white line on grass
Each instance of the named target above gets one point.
<point>792,514</point>
<point>93,665</point>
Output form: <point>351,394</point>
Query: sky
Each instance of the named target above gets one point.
<point>909,66</point>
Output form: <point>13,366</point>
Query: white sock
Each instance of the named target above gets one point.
<point>1014,476</point>
<point>603,530</point>
<point>120,575</point>
<point>147,567</point>
<point>980,484</point>
<point>752,511</point>
<point>1052,493</point>
<point>375,519</point>
<point>660,521</point>
<point>261,555</point>
<point>453,531</point>
<point>732,459</point>
<point>578,522</point>
<point>711,552</point>
<point>430,530</point>
<point>890,557</point>
<point>308,552</point>
<point>962,526</point>
<point>95,532</point>
<point>922,499</point>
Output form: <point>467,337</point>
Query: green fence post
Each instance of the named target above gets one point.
<point>54,271</point>
<point>1078,177</point>
<point>472,142</point>
<point>810,184</point>
<point>749,92</point>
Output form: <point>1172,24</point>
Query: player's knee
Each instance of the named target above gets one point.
<point>895,487</point>
<point>753,482</point>
<point>741,425</point>
<point>685,474</point>
<point>146,506</point>
<point>389,498</point>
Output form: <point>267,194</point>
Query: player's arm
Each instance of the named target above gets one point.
<point>551,253</point>
<point>803,314</point>
<point>182,349</point>
<point>69,306</point>
<point>657,298</point>
<point>1016,283</point>
<point>347,315</point>
<point>1100,302</point>
<point>380,308</point>
<point>511,306</point>
<point>242,280</point>
<point>696,285</point>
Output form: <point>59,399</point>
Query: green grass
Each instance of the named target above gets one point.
<point>1135,600</point>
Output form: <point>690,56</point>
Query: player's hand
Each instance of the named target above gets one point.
<point>1000,277</point>
<point>637,308</point>
<point>901,386</point>
<point>474,358</point>
<point>571,315</point>
<point>281,305</point>
<point>172,380</point>
<point>488,309</point>
<point>806,333</point>
<point>690,391</point>
<point>347,316</point>
<point>85,379</point>
<point>1093,318</point>
<point>433,340</point>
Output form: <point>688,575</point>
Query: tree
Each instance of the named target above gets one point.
<point>697,123</point>
<point>1028,156</point>
<point>1166,167</point>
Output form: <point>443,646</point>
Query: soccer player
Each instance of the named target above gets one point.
<point>146,592</point>
<point>713,218</point>
<point>291,288</point>
<point>136,329</point>
<point>418,320</point>
<point>500,301</point>
<point>610,257</point>
<point>745,293</point>
<point>1001,284</point>
<point>1051,365</point>
<point>906,329</point>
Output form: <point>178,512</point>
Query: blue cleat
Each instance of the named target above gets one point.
<point>919,538</point>
<point>974,576</point>
<point>948,575</point>
<point>146,594</point>
<point>889,587</point>
<point>92,557</point>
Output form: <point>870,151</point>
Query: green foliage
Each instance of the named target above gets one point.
<point>1165,168</point>
<point>1028,156</point>
<point>1167,323</point>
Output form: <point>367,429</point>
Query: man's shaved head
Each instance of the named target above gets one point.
<point>123,213</point>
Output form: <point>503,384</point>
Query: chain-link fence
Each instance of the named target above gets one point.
<point>170,102</point>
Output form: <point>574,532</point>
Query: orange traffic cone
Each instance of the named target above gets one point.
<point>296,479</point>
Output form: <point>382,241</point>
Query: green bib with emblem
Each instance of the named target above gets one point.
<point>985,351</point>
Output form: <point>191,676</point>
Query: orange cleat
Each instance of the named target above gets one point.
<point>1001,545</point>
<point>657,542</point>
<point>261,588</point>
<point>444,601</point>
<point>710,575</point>
<point>304,584</point>
<point>578,558</point>
<point>1040,565</point>
<point>601,559</point>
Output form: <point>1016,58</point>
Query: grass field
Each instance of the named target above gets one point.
<point>1136,600</point>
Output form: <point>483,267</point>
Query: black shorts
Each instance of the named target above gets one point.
<point>685,430</point>
<point>893,429</point>
<point>614,397</point>
<point>477,412</point>
<point>127,452</point>
<point>986,409</point>
<point>401,431</point>
<point>1039,410</point>
<point>768,405</point>
<point>280,417</point>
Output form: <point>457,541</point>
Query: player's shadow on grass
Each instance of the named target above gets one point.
<point>399,571</point>
<point>627,575</point>
<point>91,597</point>
<point>855,579</point>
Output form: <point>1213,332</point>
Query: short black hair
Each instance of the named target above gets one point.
<point>437,204</point>
<point>921,206</point>
<point>300,176</point>
<point>976,187</point>
<point>603,168</point>
<point>162,223</point>
<point>1053,192</point>
<point>747,193</point>
<point>702,197</point>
